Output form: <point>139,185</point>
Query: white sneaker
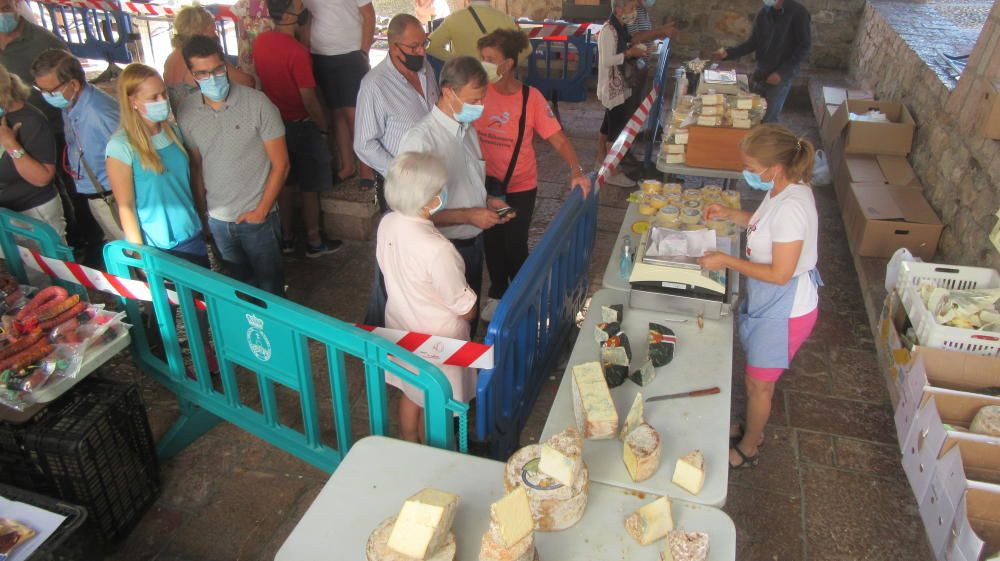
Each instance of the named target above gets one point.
<point>489,308</point>
<point>619,179</point>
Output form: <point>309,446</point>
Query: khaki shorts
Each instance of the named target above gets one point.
<point>106,218</point>
<point>52,214</point>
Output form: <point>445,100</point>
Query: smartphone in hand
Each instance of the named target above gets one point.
<point>501,212</point>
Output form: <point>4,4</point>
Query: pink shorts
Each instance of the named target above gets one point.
<point>799,329</point>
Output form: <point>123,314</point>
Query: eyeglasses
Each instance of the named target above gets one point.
<point>426,43</point>
<point>218,71</point>
<point>49,92</point>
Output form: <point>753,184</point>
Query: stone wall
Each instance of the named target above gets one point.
<point>706,25</point>
<point>958,165</point>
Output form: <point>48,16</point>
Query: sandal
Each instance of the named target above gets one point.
<point>746,462</point>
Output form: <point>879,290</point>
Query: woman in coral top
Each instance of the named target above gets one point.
<point>515,176</point>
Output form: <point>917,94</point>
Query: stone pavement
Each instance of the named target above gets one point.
<point>829,484</point>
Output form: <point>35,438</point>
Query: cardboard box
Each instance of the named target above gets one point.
<point>894,138</point>
<point>881,219</point>
<point>715,147</point>
<point>982,507</point>
<point>884,170</point>
<point>923,444</point>
<point>965,544</point>
<point>937,511</point>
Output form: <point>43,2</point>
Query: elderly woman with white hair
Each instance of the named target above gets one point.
<point>27,156</point>
<point>424,275</point>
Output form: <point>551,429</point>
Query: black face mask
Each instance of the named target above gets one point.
<point>413,63</point>
<point>303,17</point>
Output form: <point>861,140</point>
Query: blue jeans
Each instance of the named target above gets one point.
<point>775,95</point>
<point>252,252</point>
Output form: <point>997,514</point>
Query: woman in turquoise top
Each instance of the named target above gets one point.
<point>149,171</point>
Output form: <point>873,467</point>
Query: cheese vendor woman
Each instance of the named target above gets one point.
<point>780,307</point>
<point>424,275</point>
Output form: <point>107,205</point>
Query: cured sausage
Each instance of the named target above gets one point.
<point>31,355</point>
<point>59,307</point>
<point>44,300</point>
<point>21,344</point>
<point>64,317</point>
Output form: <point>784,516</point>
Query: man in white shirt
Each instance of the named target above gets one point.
<point>340,37</point>
<point>447,133</point>
<point>394,96</point>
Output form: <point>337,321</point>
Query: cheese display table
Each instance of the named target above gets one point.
<point>702,358</point>
<point>726,175</point>
<point>379,474</point>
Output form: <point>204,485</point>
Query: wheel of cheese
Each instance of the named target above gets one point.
<point>647,209</point>
<point>492,548</point>
<point>553,505</point>
<point>987,421</point>
<point>685,546</point>
<point>642,452</point>
<point>378,548</point>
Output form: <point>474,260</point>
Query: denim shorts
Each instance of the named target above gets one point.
<point>309,157</point>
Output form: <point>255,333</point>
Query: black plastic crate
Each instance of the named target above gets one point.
<point>94,448</point>
<point>71,541</point>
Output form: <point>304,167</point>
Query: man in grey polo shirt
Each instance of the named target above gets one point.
<point>239,163</point>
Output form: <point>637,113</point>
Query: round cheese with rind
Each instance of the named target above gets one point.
<point>987,421</point>
<point>493,549</point>
<point>685,546</point>
<point>642,452</point>
<point>554,506</point>
<point>378,546</point>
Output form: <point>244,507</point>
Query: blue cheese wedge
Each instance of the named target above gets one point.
<point>651,522</point>
<point>593,407</point>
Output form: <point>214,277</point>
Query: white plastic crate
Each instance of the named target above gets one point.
<point>953,277</point>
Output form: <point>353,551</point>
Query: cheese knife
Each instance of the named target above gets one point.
<point>695,393</point>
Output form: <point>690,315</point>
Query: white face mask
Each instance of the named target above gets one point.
<point>491,72</point>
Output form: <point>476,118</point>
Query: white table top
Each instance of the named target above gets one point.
<point>702,359</point>
<point>684,169</point>
<point>612,279</point>
<point>379,473</point>
<point>93,358</point>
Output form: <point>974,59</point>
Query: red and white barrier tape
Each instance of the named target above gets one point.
<point>439,350</point>
<point>625,139</point>
<point>135,8</point>
<point>556,29</point>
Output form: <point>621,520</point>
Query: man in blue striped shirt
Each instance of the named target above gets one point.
<point>394,96</point>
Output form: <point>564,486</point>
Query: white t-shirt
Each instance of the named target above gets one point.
<point>336,26</point>
<point>789,217</point>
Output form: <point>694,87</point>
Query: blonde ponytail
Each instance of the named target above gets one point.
<point>772,145</point>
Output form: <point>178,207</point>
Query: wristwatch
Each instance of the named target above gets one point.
<point>17,153</point>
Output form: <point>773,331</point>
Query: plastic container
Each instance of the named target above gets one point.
<point>92,447</point>
<point>71,541</point>
<point>930,333</point>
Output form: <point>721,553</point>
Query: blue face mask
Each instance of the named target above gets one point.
<point>443,197</point>
<point>8,22</point>
<point>2,112</point>
<point>756,182</point>
<point>770,3</point>
<point>468,113</point>
<point>215,88</point>
<point>57,100</point>
<point>648,3</point>
<point>157,111</point>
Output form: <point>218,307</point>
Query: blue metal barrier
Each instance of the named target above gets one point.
<point>532,322</point>
<point>95,34</point>
<point>14,226</point>
<point>558,82</point>
<point>659,81</point>
<point>272,345</point>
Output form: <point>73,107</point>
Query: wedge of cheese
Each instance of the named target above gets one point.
<point>424,523</point>
<point>744,102</point>
<point>593,407</point>
<point>712,99</point>
<point>709,121</point>
<point>645,374</point>
<point>605,330</point>
<point>681,138</point>
<point>742,123</point>
<point>685,546</point>
<point>641,453</point>
<point>741,114</point>
<point>614,361</point>
<point>662,344</point>
<point>711,110</point>
<point>674,158</point>
<point>689,474</point>
<point>562,457</point>
<point>675,148</point>
<point>511,516</point>
<point>651,522</point>
<point>613,313</point>
<point>377,548</point>
<point>634,417</point>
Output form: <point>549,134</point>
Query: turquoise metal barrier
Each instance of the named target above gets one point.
<point>533,320</point>
<point>275,343</point>
<point>45,240</point>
